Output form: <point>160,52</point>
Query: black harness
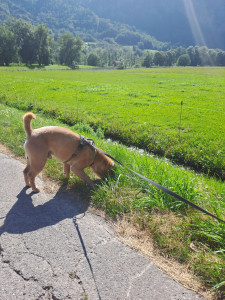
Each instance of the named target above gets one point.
<point>83,142</point>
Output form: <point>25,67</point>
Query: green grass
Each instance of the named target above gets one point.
<point>179,231</point>
<point>138,107</point>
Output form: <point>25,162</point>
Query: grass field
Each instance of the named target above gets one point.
<point>139,107</point>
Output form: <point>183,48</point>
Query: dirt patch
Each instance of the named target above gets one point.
<point>7,151</point>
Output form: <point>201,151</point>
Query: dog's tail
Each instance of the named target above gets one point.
<point>27,123</point>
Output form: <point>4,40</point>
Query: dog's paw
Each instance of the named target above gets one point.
<point>36,190</point>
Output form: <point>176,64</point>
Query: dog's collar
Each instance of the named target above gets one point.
<point>83,142</point>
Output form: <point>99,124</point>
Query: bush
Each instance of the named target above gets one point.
<point>184,60</point>
<point>93,59</point>
<point>148,61</point>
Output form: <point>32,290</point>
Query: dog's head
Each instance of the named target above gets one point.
<point>103,165</point>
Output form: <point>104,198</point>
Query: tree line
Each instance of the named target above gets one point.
<point>192,56</point>
<point>127,57</point>
<point>22,42</point>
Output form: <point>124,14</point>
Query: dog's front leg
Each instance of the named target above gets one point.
<point>80,173</point>
<point>66,169</point>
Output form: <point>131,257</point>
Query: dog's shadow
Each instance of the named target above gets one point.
<point>25,216</point>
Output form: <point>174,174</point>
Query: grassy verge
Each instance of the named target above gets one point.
<point>179,231</point>
<point>146,103</point>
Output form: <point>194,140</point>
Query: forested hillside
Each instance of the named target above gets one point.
<point>179,22</point>
<point>182,22</point>
<point>69,15</point>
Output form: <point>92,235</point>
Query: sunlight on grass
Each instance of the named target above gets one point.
<point>140,108</point>
<point>146,104</point>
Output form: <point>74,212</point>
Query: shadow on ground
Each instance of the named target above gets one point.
<point>34,211</point>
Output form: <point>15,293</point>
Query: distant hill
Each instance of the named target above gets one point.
<point>128,22</point>
<point>183,22</point>
<point>75,16</point>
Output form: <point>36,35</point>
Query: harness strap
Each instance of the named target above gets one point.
<point>83,142</point>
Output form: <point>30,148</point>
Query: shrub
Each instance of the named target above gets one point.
<point>184,60</point>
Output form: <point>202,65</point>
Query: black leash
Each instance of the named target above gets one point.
<point>162,188</point>
<point>85,254</point>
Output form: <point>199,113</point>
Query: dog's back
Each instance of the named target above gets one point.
<point>27,123</point>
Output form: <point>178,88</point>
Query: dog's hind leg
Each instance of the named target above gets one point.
<point>82,175</point>
<point>35,168</point>
<point>66,169</point>
<point>32,176</point>
<point>25,173</point>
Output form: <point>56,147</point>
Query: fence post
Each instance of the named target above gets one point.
<point>181,104</point>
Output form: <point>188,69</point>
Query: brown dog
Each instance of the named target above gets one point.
<point>64,144</point>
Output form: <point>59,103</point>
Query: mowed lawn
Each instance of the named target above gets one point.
<point>140,107</point>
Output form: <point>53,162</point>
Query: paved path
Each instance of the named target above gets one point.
<point>51,247</point>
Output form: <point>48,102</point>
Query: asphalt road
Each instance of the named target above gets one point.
<point>52,247</point>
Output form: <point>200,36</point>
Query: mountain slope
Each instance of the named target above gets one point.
<point>75,16</point>
<point>185,22</point>
<point>179,22</point>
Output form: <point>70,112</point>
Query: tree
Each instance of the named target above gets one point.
<point>148,61</point>
<point>197,56</point>
<point>204,56</point>
<point>69,49</point>
<point>180,51</point>
<point>159,59</point>
<point>170,57</point>
<point>24,38</point>
<point>92,59</point>
<point>220,59</point>
<point>41,37</point>
<point>7,46</point>
<point>184,60</point>
<point>213,55</point>
<point>191,53</point>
